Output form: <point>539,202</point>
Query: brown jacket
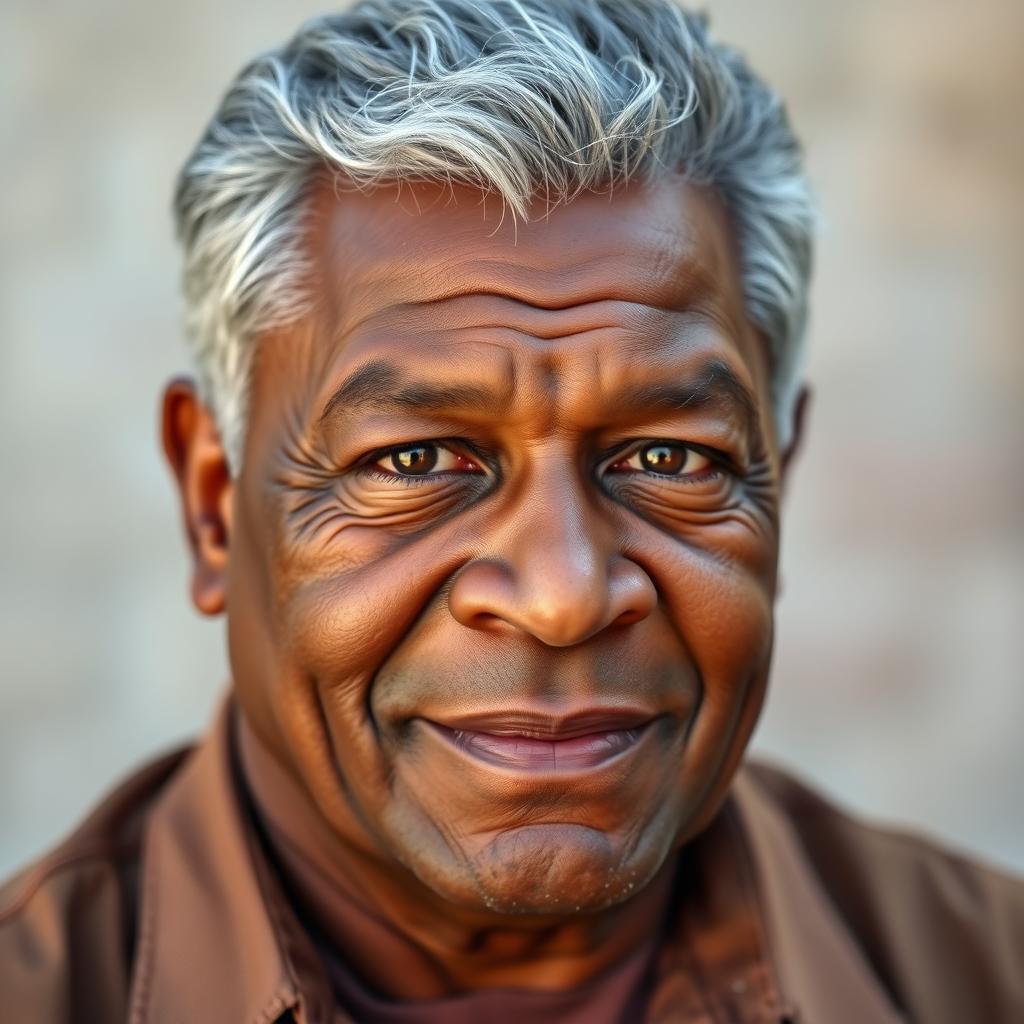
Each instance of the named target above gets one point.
<point>162,909</point>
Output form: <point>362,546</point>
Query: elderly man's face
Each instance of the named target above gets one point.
<point>502,551</point>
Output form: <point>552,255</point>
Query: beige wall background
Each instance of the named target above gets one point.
<point>898,684</point>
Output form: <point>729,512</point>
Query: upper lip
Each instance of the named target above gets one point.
<point>552,726</point>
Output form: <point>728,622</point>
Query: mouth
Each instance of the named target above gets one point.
<point>534,743</point>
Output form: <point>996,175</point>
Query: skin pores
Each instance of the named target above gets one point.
<point>501,554</point>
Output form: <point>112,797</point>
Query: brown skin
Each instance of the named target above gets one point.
<point>542,566</point>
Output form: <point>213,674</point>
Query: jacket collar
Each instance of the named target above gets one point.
<point>757,940</point>
<point>216,941</point>
<point>818,963</point>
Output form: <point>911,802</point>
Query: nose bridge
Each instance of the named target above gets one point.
<point>556,542</point>
<point>553,569</point>
<point>557,549</point>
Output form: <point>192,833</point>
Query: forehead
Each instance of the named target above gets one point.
<point>433,278</point>
<point>424,242</point>
<point>652,243</point>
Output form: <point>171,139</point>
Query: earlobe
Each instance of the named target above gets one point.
<point>197,459</point>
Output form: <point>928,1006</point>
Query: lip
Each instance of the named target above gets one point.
<point>532,742</point>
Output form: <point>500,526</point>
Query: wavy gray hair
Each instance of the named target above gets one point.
<point>522,98</point>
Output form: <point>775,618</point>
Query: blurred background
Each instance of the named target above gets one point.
<point>898,683</point>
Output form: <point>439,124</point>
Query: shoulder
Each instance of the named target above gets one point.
<point>939,928</point>
<point>67,920</point>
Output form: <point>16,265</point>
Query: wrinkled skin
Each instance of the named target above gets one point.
<point>541,564</point>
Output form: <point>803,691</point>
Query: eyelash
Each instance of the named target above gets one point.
<point>407,481</point>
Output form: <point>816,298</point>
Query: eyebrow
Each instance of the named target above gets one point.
<point>716,384</point>
<point>383,384</point>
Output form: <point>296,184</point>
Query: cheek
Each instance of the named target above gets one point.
<point>724,614</point>
<point>348,608</point>
<point>253,624</point>
<point>716,580</point>
<point>717,587</point>
<point>334,626</point>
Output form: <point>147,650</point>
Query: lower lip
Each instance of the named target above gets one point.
<point>524,753</point>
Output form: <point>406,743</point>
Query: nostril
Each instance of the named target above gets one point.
<point>627,618</point>
<point>487,621</point>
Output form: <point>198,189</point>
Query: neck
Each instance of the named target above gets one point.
<point>404,940</point>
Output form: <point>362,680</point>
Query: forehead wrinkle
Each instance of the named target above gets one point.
<point>503,323</point>
<point>547,324</point>
<point>639,327</point>
<point>678,284</point>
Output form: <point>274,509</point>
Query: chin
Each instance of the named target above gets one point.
<point>551,869</point>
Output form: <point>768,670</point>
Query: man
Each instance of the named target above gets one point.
<point>497,310</point>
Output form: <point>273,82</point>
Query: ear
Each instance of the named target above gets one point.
<point>795,441</point>
<point>796,433</point>
<point>196,456</point>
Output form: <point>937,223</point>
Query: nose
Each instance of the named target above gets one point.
<point>554,572</point>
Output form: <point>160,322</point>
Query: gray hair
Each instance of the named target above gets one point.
<point>522,98</point>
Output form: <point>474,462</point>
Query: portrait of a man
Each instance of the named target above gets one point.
<point>497,310</point>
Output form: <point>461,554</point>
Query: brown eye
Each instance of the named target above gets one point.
<point>425,458</point>
<point>415,460</point>
<point>667,459</point>
<point>664,459</point>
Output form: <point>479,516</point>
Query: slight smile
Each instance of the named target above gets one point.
<point>513,742</point>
